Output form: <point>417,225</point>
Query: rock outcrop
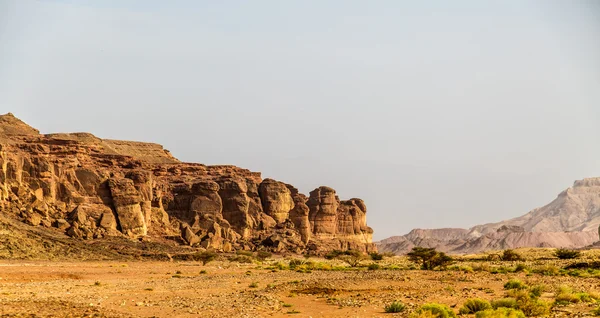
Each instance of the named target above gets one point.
<point>570,221</point>
<point>90,188</point>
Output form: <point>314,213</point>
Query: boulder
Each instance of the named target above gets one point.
<point>276,199</point>
<point>127,203</point>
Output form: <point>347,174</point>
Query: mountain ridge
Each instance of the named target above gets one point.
<point>571,220</point>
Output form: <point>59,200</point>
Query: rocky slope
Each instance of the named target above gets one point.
<point>91,188</point>
<point>570,221</point>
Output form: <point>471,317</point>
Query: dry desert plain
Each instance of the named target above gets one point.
<point>269,288</point>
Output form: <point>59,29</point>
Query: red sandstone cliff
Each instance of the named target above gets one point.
<point>90,188</point>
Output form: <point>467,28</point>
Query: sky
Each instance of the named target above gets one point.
<point>436,113</point>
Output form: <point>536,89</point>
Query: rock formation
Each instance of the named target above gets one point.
<point>90,188</point>
<point>570,221</point>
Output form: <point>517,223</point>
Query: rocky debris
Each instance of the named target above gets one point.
<point>91,188</point>
<point>572,220</point>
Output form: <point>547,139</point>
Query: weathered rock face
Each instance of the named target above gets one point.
<point>127,202</point>
<point>90,188</point>
<point>277,199</point>
<point>338,224</point>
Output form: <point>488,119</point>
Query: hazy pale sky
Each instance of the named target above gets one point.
<point>436,113</point>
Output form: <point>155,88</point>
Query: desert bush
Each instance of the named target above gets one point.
<point>500,313</point>
<point>530,306</point>
<point>352,257</point>
<point>253,285</point>
<point>374,266</point>
<point>241,259</point>
<point>537,290</point>
<point>461,268</point>
<point>565,295</point>
<point>515,284</point>
<point>505,303</point>
<point>393,267</point>
<point>244,253</point>
<point>434,310</point>
<point>333,254</point>
<point>263,255</point>
<point>395,307</point>
<point>484,267</point>
<point>500,270</point>
<point>205,257</point>
<point>510,255</point>
<point>299,262</point>
<point>475,305</point>
<point>564,299</point>
<point>429,258</point>
<point>596,312</point>
<point>535,307</point>
<point>376,256</point>
<point>563,253</point>
<point>548,270</point>
<point>521,268</point>
<point>493,257</point>
<point>584,265</point>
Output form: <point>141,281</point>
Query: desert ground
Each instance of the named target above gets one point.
<point>231,287</point>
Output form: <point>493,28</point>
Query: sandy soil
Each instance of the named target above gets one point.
<point>179,289</point>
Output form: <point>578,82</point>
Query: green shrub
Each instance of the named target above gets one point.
<point>510,255</point>
<point>521,268</point>
<point>515,284</point>
<point>374,266</point>
<point>537,290</point>
<point>352,257</point>
<point>462,268</point>
<point>563,253</point>
<point>530,306</point>
<point>505,303</point>
<point>435,310</point>
<point>548,270</point>
<point>203,272</point>
<point>245,253</point>
<point>394,307</point>
<point>241,259</point>
<point>564,295</point>
<point>376,256</point>
<point>500,313</point>
<point>429,258</point>
<point>263,255</point>
<point>253,285</point>
<point>333,254</point>
<point>596,312</point>
<point>475,305</point>
<point>535,307</point>
<point>295,263</point>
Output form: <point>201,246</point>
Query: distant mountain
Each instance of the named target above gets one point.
<point>570,221</point>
